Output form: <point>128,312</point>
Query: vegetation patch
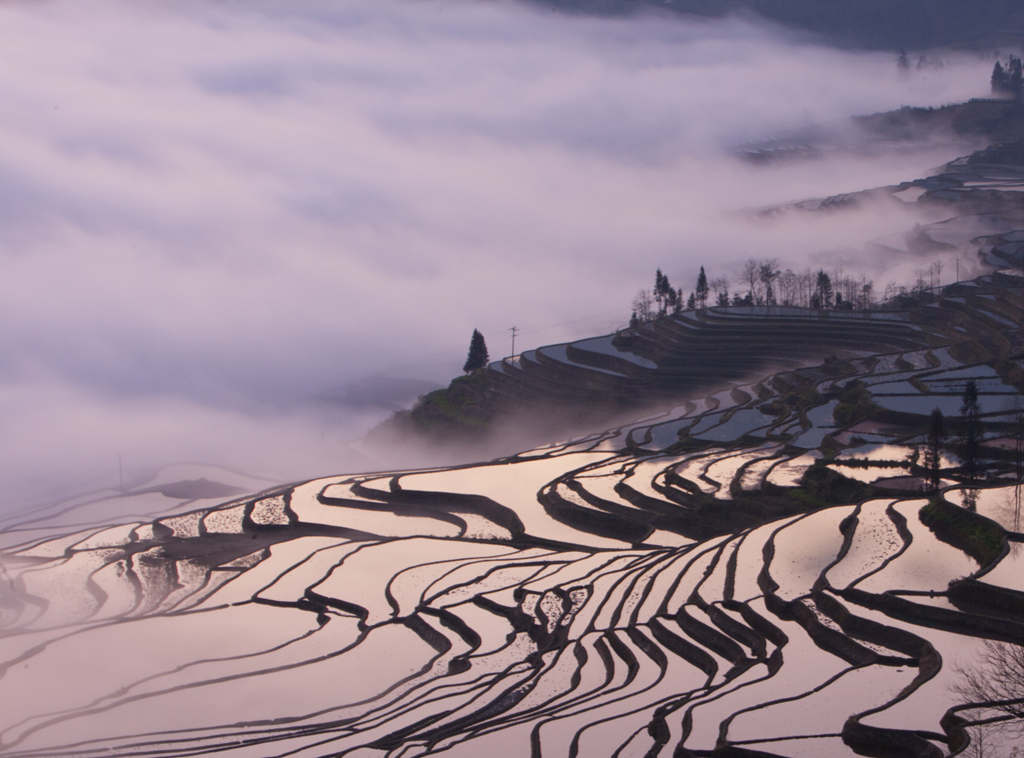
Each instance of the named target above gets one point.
<point>464,407</point>
<point>979,537</point>
<point>1011,373</point>
<point>855,404</point>
<point>821,487</point>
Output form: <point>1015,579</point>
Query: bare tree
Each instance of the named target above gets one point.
<point>807,281</point>
<point>752,278</point>
<point>788,287</point>
<point>996,685</point>
<point>643,305</point>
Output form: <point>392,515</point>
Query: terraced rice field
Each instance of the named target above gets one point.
<point>740,573</point>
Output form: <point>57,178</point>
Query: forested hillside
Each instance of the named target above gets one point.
<point>881,24</point>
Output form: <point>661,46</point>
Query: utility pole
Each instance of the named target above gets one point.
<point>958,268</point>
<point>120,473</point>
<point>515,332</point>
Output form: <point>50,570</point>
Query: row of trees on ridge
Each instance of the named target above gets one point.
<point>765,284</point>
<point>1008,80</point>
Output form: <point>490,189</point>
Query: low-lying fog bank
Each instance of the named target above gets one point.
<point>222,218</point>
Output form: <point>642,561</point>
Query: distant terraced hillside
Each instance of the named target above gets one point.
<point>591,381</point>
<point>675,357</point>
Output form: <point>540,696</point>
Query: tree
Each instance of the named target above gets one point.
<point>1016,76</point>
<point>643,305</point>
<point>767,272</point>
<point>823,290</point>
<point>672,300</point>
<point>933,453</point>
<point>1000,79</point>
<point>477,357</point>
<point>664,295</point>
<point>702,289</point>
<point>865,294</point>
<point>1008,79</point>
<point>903,62</point>
<point>970,438</point>
<point>996,685</point>
<point>691,303</point>
<point>752,277</point>
<point>720,287</point>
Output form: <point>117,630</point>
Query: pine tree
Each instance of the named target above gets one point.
<point>933,453</point>
<point>702,289</point>
<point>970,439</point>
<point>691,303</point>
<point>1000,80</point>
<point>663,292</point>
<point>1016,76</point>
<point>1008,79</point>
<point>477,357</point>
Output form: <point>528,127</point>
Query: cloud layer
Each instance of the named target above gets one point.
<point>216,214</point>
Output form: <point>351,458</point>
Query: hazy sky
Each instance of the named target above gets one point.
<point>214,213</point>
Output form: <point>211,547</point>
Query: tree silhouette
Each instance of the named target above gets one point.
<point>970,438</point>
<point>477,357</point>
<point>933,453</point>
<point>1008,79</point>
<point>824,290</point>
<point>702,289</point>
<point>643,305</point>
<point>664,295</point>
<point>996,684</point>
<point>768,272</point>
<point>1000,79</point>
<point>1016,76</point>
